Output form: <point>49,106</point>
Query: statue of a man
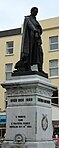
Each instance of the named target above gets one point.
<point>31,50</point>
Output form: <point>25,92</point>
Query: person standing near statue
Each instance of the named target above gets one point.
<point>31,49</point>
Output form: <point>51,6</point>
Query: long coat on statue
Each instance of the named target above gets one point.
<point>31,41</point>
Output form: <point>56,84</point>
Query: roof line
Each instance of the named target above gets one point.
<point>10,32</point>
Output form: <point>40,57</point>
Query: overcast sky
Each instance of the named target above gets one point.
<point>12,12</point>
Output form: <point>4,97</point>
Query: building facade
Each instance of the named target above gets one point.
<point>50,39</point>
<point>10,47</point>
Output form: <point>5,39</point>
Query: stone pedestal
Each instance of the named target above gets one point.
<point>29,112</point>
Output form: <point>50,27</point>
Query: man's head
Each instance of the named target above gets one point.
<point>34,11</point>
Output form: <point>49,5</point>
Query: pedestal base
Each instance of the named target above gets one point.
<point>41,144</point>
<point>29,112</point>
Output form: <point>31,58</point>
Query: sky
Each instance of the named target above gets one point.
<point>12,12</point>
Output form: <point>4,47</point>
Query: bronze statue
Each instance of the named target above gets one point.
<point>31,49</point>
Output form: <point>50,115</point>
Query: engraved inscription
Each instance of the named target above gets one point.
<point>20,122</point>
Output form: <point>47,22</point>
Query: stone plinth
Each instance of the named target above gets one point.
<point>29,112</point>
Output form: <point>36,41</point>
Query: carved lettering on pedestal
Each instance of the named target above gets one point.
<point>20,122</point>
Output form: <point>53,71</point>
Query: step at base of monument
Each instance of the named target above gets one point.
<point>41,144</point>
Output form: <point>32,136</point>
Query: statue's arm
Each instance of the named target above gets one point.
<point>31,26</point>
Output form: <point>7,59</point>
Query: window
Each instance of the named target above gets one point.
<point>2,132</point>
<point>53,42</point>
<point>55,97</point>
<point>8,70</point>
<point>53,67</point>
<point>9,47</point>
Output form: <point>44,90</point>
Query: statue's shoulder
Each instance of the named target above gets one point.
<point>27,17</point>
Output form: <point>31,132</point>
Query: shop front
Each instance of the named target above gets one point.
<point>2,125</point>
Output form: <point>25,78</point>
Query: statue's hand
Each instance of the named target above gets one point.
<point>36,35</point>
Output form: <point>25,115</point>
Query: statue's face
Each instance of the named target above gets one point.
<point>34,12</point>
